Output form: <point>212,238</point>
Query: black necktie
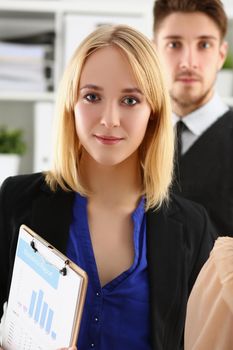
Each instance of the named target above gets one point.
<point>180,127</point>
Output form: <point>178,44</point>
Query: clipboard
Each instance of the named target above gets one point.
<point>46,297</point>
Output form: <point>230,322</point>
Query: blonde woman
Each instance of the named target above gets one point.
<point>106,204</point>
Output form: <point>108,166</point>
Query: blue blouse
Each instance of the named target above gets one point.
<point>115,316</point>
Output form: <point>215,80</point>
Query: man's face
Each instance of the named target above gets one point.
<point>192,52</point>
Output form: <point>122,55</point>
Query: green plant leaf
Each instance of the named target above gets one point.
<point>11,141</point>
<point>228,64</point>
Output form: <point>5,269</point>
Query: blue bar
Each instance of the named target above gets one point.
<point>32,303</point>
<point>38,306</point>
<point>43,315</point>
<point>49,321</point>
<point>53,335</point>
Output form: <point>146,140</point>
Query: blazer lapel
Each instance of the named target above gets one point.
<point>52,215</point>
<point>165,268</point>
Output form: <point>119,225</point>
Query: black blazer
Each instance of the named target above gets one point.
<point>205,173</point>
<point>179,238</point>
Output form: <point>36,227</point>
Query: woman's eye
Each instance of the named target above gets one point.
<point>130,101</point>
<point>91,97</point>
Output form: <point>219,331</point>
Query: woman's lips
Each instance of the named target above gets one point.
<point>108,140</point>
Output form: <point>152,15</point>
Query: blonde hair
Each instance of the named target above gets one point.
<point>157,148</point>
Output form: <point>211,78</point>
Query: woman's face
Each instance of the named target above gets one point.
<point>111,114</point>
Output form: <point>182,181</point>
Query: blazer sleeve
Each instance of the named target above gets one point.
<point>5,243</point>
<point>209,321</point>
<point>202,237</point>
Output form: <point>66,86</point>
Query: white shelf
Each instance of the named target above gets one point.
<point>27,96</point>
<point>119,7</point>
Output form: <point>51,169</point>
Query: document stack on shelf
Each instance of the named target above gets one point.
<point>26,64</point>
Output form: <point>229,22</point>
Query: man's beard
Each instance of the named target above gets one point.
<point>191,102</point>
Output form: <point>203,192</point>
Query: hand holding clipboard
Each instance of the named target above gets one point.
<point>46,297</point>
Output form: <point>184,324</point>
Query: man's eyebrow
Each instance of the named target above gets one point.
<point>209,37</point>
<point>92,87</point>
<point>179,37</point>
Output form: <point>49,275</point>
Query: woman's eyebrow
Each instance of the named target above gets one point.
<point>92,86</point>
<point>132,90</point>
<point>98,88</point>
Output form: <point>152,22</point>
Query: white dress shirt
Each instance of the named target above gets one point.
<point>198,121</point>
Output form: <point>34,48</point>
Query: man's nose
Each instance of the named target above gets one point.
<point>189,59</point>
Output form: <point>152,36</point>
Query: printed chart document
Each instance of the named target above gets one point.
<point>46,297</point>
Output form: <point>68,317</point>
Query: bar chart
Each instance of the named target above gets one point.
<point>42,310</point>
<point>41,313</point>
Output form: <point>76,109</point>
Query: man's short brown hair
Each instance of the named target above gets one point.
<point>212,8</point>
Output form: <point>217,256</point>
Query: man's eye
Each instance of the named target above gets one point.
<point>91,97</point>
<point>204,45</point>
<point>130,101</point>
<point>174,45</point>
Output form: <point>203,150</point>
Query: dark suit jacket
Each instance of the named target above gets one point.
<point>205,173</point>
<point>179,239</point>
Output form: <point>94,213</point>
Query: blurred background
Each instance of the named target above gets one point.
<point>37,38</point>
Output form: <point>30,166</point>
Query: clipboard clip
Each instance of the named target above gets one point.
<point>63,270</point>
<point>33,246</point>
